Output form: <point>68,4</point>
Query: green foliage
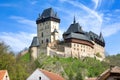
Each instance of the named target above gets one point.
<point>20,67</point>
<point>79,76</point>
<point>72,68</point>
<point>25,57</point>
<point>98,54</point>
<point>114,60</point>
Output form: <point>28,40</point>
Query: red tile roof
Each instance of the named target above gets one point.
<point>52,75</point>
<point>115,69</point>
<point>107,73</point>
<point>2,74</point>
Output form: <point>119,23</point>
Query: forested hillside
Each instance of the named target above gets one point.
<point>20,67</point>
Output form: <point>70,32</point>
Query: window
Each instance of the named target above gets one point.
<point>47,41</point>
<point>42,41</point>
<point>74,44</point>
<point>39,78</point>
<point>46,27</point>
<point>42,34</point>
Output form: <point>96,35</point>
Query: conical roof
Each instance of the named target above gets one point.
<point>74,28</point>
<point>35,42</point>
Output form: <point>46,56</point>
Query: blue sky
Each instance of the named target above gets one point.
<point>17,20</point>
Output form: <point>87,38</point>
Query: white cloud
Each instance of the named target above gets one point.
<point>61,34</point>
<point>88,10</point>
<point>17,41</point>
<point>88,18</point>
<point>24,21</point>
<point>111,29</point>
<point>93,20</point>
<point>96,3</point>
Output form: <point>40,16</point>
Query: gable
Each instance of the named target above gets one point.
<point>51,75</point>
<point>36,75</point>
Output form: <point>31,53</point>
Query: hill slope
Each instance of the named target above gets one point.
<point>72,68</point>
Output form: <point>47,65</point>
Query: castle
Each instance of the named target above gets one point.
<point>76,42</point>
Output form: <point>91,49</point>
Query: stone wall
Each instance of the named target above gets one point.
<point>45,30</point>
<point>53,52</point>
<point>76,50</point>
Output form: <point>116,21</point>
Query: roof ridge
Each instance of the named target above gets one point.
<point>51,74</point>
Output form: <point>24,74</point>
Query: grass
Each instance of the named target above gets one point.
<point>26,57</point>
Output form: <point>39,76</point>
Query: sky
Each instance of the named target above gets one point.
<point>18,20</point>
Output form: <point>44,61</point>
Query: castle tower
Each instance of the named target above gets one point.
<point>47,27</point>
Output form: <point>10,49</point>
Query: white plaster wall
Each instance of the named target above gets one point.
<point>54,25</point>
<point>6,74</point>
<point>36,74</point>
<point>99,49</point>
<point>80,50</point>
<point>34,53</point>
<point>68,52</point>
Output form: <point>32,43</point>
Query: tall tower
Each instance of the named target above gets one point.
<point>47,27</point>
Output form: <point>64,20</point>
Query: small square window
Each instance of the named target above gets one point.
<point>74,44</point>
